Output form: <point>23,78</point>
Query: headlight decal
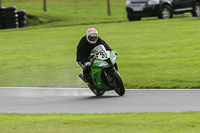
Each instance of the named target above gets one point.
<point>101,63</point>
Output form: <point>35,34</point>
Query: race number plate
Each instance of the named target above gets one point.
<point>103,55</point>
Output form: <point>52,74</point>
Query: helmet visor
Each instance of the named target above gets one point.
<point>93,38</point>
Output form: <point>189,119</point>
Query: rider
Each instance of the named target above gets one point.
<point>84,48</point>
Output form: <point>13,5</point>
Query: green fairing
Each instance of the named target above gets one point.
<point>104,73</point>
<point>97,72</point>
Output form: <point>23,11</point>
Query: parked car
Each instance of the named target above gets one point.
<point>164,9</point>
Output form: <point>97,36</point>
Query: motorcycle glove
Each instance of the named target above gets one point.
<point>115,52</point>
<point>87,64</point>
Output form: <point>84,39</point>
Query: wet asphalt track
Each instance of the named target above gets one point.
<point>81,100</point>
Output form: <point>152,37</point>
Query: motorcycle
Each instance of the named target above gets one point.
<point>104,75</point>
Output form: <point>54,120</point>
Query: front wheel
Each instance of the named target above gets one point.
<point>165,12</point>
<point>196,10</point>
<point>118,83</point>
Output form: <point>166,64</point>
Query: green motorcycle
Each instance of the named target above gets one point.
<point>104,73</point>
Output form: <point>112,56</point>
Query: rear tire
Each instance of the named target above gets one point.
<point>118,83</point>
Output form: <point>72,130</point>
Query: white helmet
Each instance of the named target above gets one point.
<point>92,35</point>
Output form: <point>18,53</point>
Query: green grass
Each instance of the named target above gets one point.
<point>65,13</point>
<point>152,54</point>
<point>186,122</point>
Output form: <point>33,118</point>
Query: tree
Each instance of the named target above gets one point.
<point>108,6</point>
<point>45,6</point>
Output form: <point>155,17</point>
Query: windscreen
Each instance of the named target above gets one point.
<point>100,52</point>
<point>98,49</point>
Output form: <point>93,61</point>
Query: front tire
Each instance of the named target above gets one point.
<point>196,10</point>
<point>165,12</point>
<point>118,83</point>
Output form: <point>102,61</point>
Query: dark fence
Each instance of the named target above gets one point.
<point>10,18</point>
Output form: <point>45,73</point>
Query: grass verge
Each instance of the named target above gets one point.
<point>68,12</point>
<point>152,54</point>
<point>185,122</point>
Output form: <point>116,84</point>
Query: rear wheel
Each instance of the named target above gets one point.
<point>118,83</point>
<point>196,10</point>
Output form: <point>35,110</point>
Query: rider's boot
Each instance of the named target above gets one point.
<point>82,77</point>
